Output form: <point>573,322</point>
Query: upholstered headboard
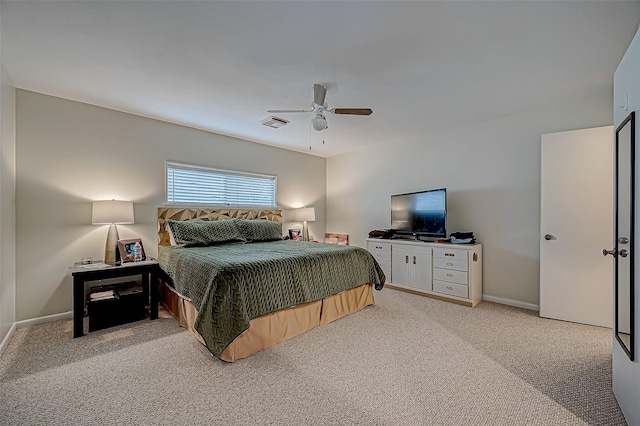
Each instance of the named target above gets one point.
<point>203,214</point>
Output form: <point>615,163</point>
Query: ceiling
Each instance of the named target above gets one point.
<point>219,66</point>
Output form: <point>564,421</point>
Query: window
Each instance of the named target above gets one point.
<point>188,184</point>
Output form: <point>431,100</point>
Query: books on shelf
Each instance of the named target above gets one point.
<point>102,295</point>
<point>115,291</point>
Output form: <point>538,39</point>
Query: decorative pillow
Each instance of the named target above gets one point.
<point>260,229</point>
<point>172,240</point>
<point>204,233</point>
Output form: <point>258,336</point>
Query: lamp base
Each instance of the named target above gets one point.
<point>112,244</point>
<point>305,231</point>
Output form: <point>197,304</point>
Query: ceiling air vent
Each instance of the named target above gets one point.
<point>274,122</point>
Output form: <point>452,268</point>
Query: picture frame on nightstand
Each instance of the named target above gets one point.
<point>126,249</point>
<point>295,234</point>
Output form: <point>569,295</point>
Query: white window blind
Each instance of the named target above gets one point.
<point>187,184</point>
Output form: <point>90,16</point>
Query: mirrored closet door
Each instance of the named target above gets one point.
<point>624,234</point>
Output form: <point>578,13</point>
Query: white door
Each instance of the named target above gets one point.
<point>576,212</point>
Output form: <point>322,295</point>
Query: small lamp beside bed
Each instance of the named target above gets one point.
<point>304,215</point>
<point>111,212</point>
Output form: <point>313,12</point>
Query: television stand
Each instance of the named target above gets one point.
<point>451,272</point>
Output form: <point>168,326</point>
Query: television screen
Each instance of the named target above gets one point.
<point>420,213</point>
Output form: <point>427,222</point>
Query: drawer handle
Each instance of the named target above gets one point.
<point>406,259</point>
<point>378,247</point>
<point>449,264</point>
<point>449,254</point>
<point>449,287</point>
<point>414,260</point>
<point>450,275</point>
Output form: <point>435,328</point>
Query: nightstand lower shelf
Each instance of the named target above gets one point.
<point>127,304</point>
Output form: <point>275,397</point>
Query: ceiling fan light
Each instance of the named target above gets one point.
<point>319,122</point>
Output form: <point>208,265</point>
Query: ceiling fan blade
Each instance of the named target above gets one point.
<point>277,111</point>
<point>319,93</point>
<point>352,111</point>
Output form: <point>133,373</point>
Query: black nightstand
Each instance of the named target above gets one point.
<point>148,269</point>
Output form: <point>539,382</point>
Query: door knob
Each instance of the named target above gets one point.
<point>550,237</point>
<point>623,253</point>
<point>623,240</point>
<point>611,252</point>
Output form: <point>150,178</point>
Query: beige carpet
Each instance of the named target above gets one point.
<point>408,360</point>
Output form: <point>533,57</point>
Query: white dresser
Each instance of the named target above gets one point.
<point>381,250</point>
<point>451,272</point>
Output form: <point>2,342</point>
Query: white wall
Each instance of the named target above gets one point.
<point>492,174</point>
<point>69,154</point>
<point>626,373</point>
<point>7,203</point>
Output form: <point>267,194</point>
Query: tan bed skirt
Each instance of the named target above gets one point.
<point>267,330</point>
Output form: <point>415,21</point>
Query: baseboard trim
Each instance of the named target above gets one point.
<point>42,320</point>
<point>32,321</point>
<point>6,339</point>
<point>511,302</point>
<point>467,303</point>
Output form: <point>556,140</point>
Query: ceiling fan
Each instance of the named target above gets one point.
<point>319,107</point>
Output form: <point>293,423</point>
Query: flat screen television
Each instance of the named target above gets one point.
<point>420,213</point>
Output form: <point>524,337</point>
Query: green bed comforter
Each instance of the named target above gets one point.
<point>231,284</point>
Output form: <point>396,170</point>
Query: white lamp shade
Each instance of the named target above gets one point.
<point>305,214</point>
<point>111,211</point>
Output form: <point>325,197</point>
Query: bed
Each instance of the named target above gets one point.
<point>230,278</point>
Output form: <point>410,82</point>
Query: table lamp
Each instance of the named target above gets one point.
<point>304,215</point>
<point>111,212</point>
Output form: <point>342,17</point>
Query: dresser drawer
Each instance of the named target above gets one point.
<point>450,275</point>
<point>381,251</point>
<point>451,289</point>
<point>385,265</point>
<point>449,253</point>
<point>458,265</point>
